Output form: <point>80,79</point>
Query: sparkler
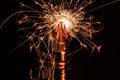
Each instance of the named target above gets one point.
<point>58,21</point>
<point>70,13</point>
<point>54,24</point>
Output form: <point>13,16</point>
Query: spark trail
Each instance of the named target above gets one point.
<point>54,21</point>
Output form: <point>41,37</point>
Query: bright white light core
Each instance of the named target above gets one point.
<point>66,20</point>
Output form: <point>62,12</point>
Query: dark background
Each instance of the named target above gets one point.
<point>102,66</point>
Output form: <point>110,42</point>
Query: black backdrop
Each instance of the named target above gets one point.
<point>102,66</point>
